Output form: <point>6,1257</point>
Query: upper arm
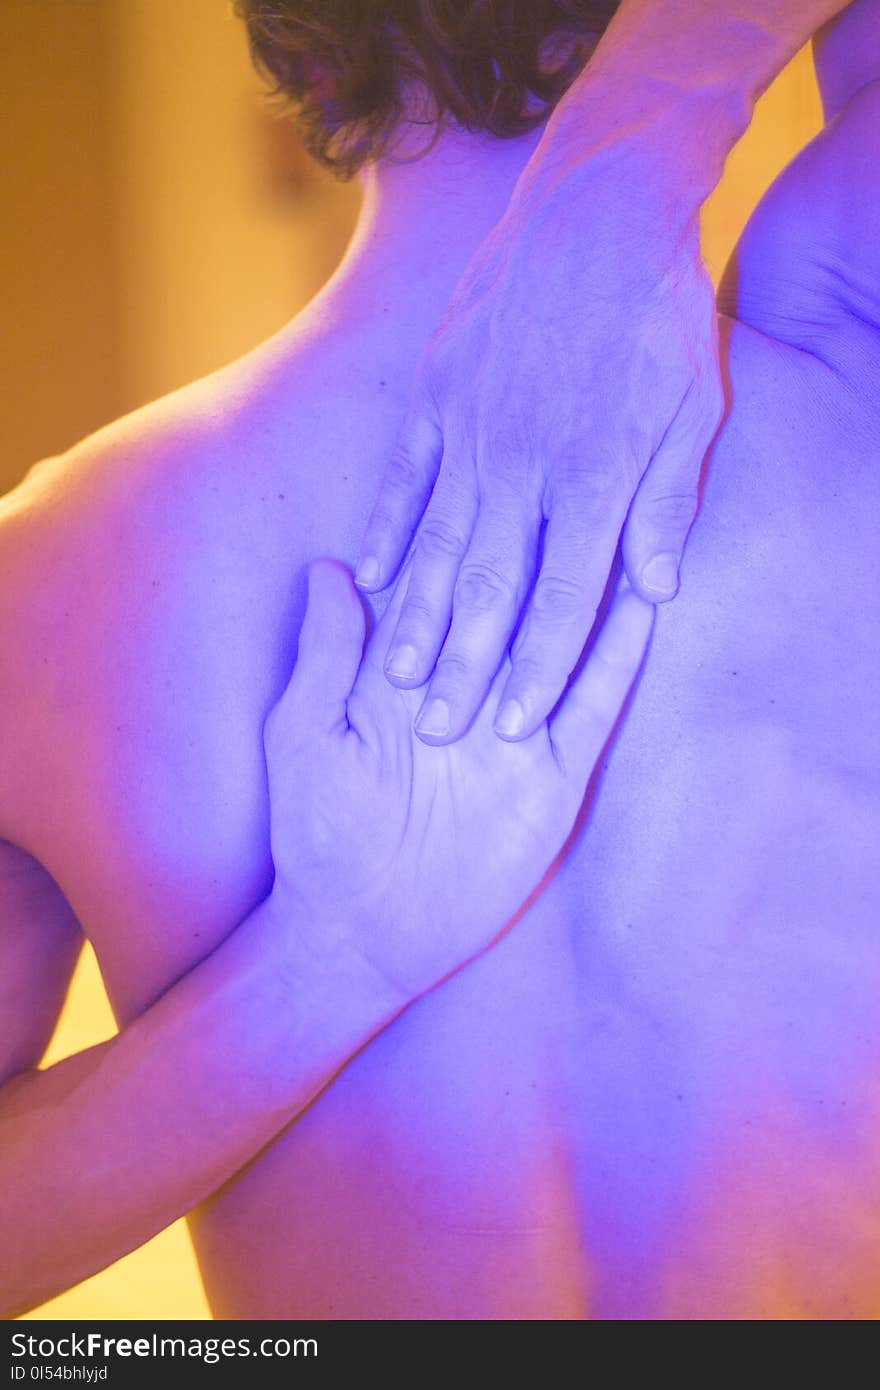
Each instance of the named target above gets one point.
<point>21,566</point>
<point>807,269</point>
<point>40,941</point>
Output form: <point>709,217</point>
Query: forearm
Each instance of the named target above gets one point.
<point>100,1152</point>
<point>679,79</point>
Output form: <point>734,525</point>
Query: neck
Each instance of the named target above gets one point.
<point>422,220</point>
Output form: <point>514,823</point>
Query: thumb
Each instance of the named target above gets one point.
<point>331,642</point>
<point>666,503</point>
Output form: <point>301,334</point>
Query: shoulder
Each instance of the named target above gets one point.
<point>793,474</point>
<point>806,272</point>
<point>784,556</point>
<point>127,609</point>
<point>144,631</point>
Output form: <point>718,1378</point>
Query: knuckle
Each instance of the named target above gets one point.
<point>529,670</point>
<point>558,598</point>
<point>510,444</point>
<point>402,472</point>
<point>453,670</point>
<point>589,486</point>
<point>441,538</point>
<point>383,521</point>
<point>417,609</point>
<point>482,588</point>
<point>675,510</point>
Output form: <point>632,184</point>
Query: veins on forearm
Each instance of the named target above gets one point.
<point>677,82</point>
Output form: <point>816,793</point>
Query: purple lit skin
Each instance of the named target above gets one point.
<point>651,1092</point>
<point>418,857</point>
<point>536,443</point>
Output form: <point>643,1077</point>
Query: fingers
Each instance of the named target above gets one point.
<point>442,542</point>
<point>667,499</point>
<point>331,642</point>
<point>579,548</point>
<point>587,717</point>
<point>404,493</point>
<point>489,592</point>
<point>382,634</point>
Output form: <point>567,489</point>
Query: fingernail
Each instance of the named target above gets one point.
<point>433,719</point>
<point>402,662</point>
<point>660,575</point>
<point>367,572</point>
<point>510,719</point>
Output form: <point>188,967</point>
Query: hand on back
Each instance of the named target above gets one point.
<point>419,856</point>
<point>564,406</point>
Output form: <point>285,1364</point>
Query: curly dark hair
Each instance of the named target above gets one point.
<point>344,67</point>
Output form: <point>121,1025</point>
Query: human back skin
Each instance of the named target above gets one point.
<point>655,1097</point>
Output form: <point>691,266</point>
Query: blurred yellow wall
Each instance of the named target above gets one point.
<point>56,311</point>
<point>787,117</point>
<point>158,222</point>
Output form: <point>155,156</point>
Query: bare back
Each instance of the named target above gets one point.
<point>656,1097</point>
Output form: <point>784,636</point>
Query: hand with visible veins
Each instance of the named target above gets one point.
<point>418,857</point>
<point>543,450</point>
<point>567,401</point>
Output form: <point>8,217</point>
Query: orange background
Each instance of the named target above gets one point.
<point>158,222</point>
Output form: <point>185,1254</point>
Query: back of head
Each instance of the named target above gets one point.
<point>355,71</point>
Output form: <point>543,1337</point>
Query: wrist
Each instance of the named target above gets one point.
<point>297,1004</point>
<point>660,148</point>
<point>322,973</point>
<point>680,80</point>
